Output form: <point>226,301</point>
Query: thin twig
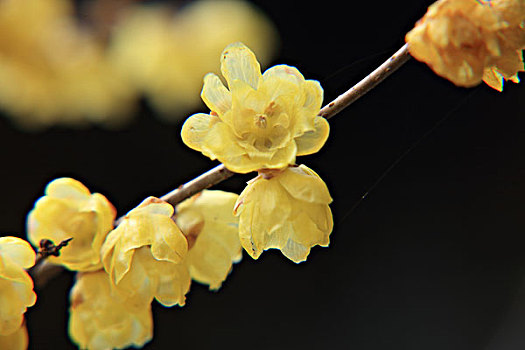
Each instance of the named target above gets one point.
<point>206,180</point>
<point>41,270</point>
<point>367,83</point>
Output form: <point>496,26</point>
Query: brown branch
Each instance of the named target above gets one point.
<point>367,83</point>
<point>204,181</point>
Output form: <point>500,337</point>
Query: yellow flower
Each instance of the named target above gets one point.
<point>100,320</point>
<point>155,46</point>
<point>54,72</point>
<point>18,340</point>
<point>144,256</point>
<point>16,286</point>
<point>212,231</point>
<point>262,121</point>
<point>69,210</point>
<point>467,41</point>
<point>287,210</point>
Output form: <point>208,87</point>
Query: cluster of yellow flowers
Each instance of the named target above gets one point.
<point>467,41</point>
<point>261,122</point>
<point>147,256</point>
<point>156,250</point>
<point>53,71</point>
<point>56,71</point>
<point>16,291</point>
<point>258,122</point>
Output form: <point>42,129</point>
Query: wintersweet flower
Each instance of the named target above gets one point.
<point>259,121</point>
<point>287,210</point>
<point>16,286</point>
<point>211,229</point>
<point>144,256</point>
<point>468,41</point>
<point>18,340</point>
<point>69,210</point>
<point>100,320</point>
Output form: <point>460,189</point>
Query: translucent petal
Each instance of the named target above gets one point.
<point>302,183</point>
<point>312,141</point>
<point>295,251</point>
<point>195,129</point>
<point>284,72</point>
<point>215,95</point>
<point>173,288</point>
<point>220,143</point>
<point>493,79</point>
<point>239,62</point>
<point>263,207</point>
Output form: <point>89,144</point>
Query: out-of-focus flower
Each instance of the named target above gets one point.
<point>100,320</point>
<point>69,210</point>
<point>262,121</point>
<point>207,221</point>
<point>53,71</point>
<point>144,256</point>
<point>287,210</point>
<point>18,340</point>
<point>166,54</point>
<point>468,41</point>
<point>16,286</point>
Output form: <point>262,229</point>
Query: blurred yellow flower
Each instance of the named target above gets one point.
<point>207,221</point>
<point>69,210</point>
<point>18,340</point>
<point>287,210</point>
<point>156,47</point>
<point>262,121</point>
<point>99,320</point>
<point>53,71</point>
<point>144,256</point>
<point>468,41</point>
<point>16,286</point>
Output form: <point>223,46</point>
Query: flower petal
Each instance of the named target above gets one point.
<point>215,95</point>
<point>303,183</point>
<point>284,72</point>
<point>238,62</point>
<point>195,129</point>
<point>312,141</point>
<point>493,79</point>
<point>18,250</point>
<point>67,188</point>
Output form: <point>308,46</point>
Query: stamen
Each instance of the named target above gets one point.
<point>260,121</point>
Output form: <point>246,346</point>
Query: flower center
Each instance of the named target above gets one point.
<point>261,121</point>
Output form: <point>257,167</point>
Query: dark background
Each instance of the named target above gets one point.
<point>431,259</point>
